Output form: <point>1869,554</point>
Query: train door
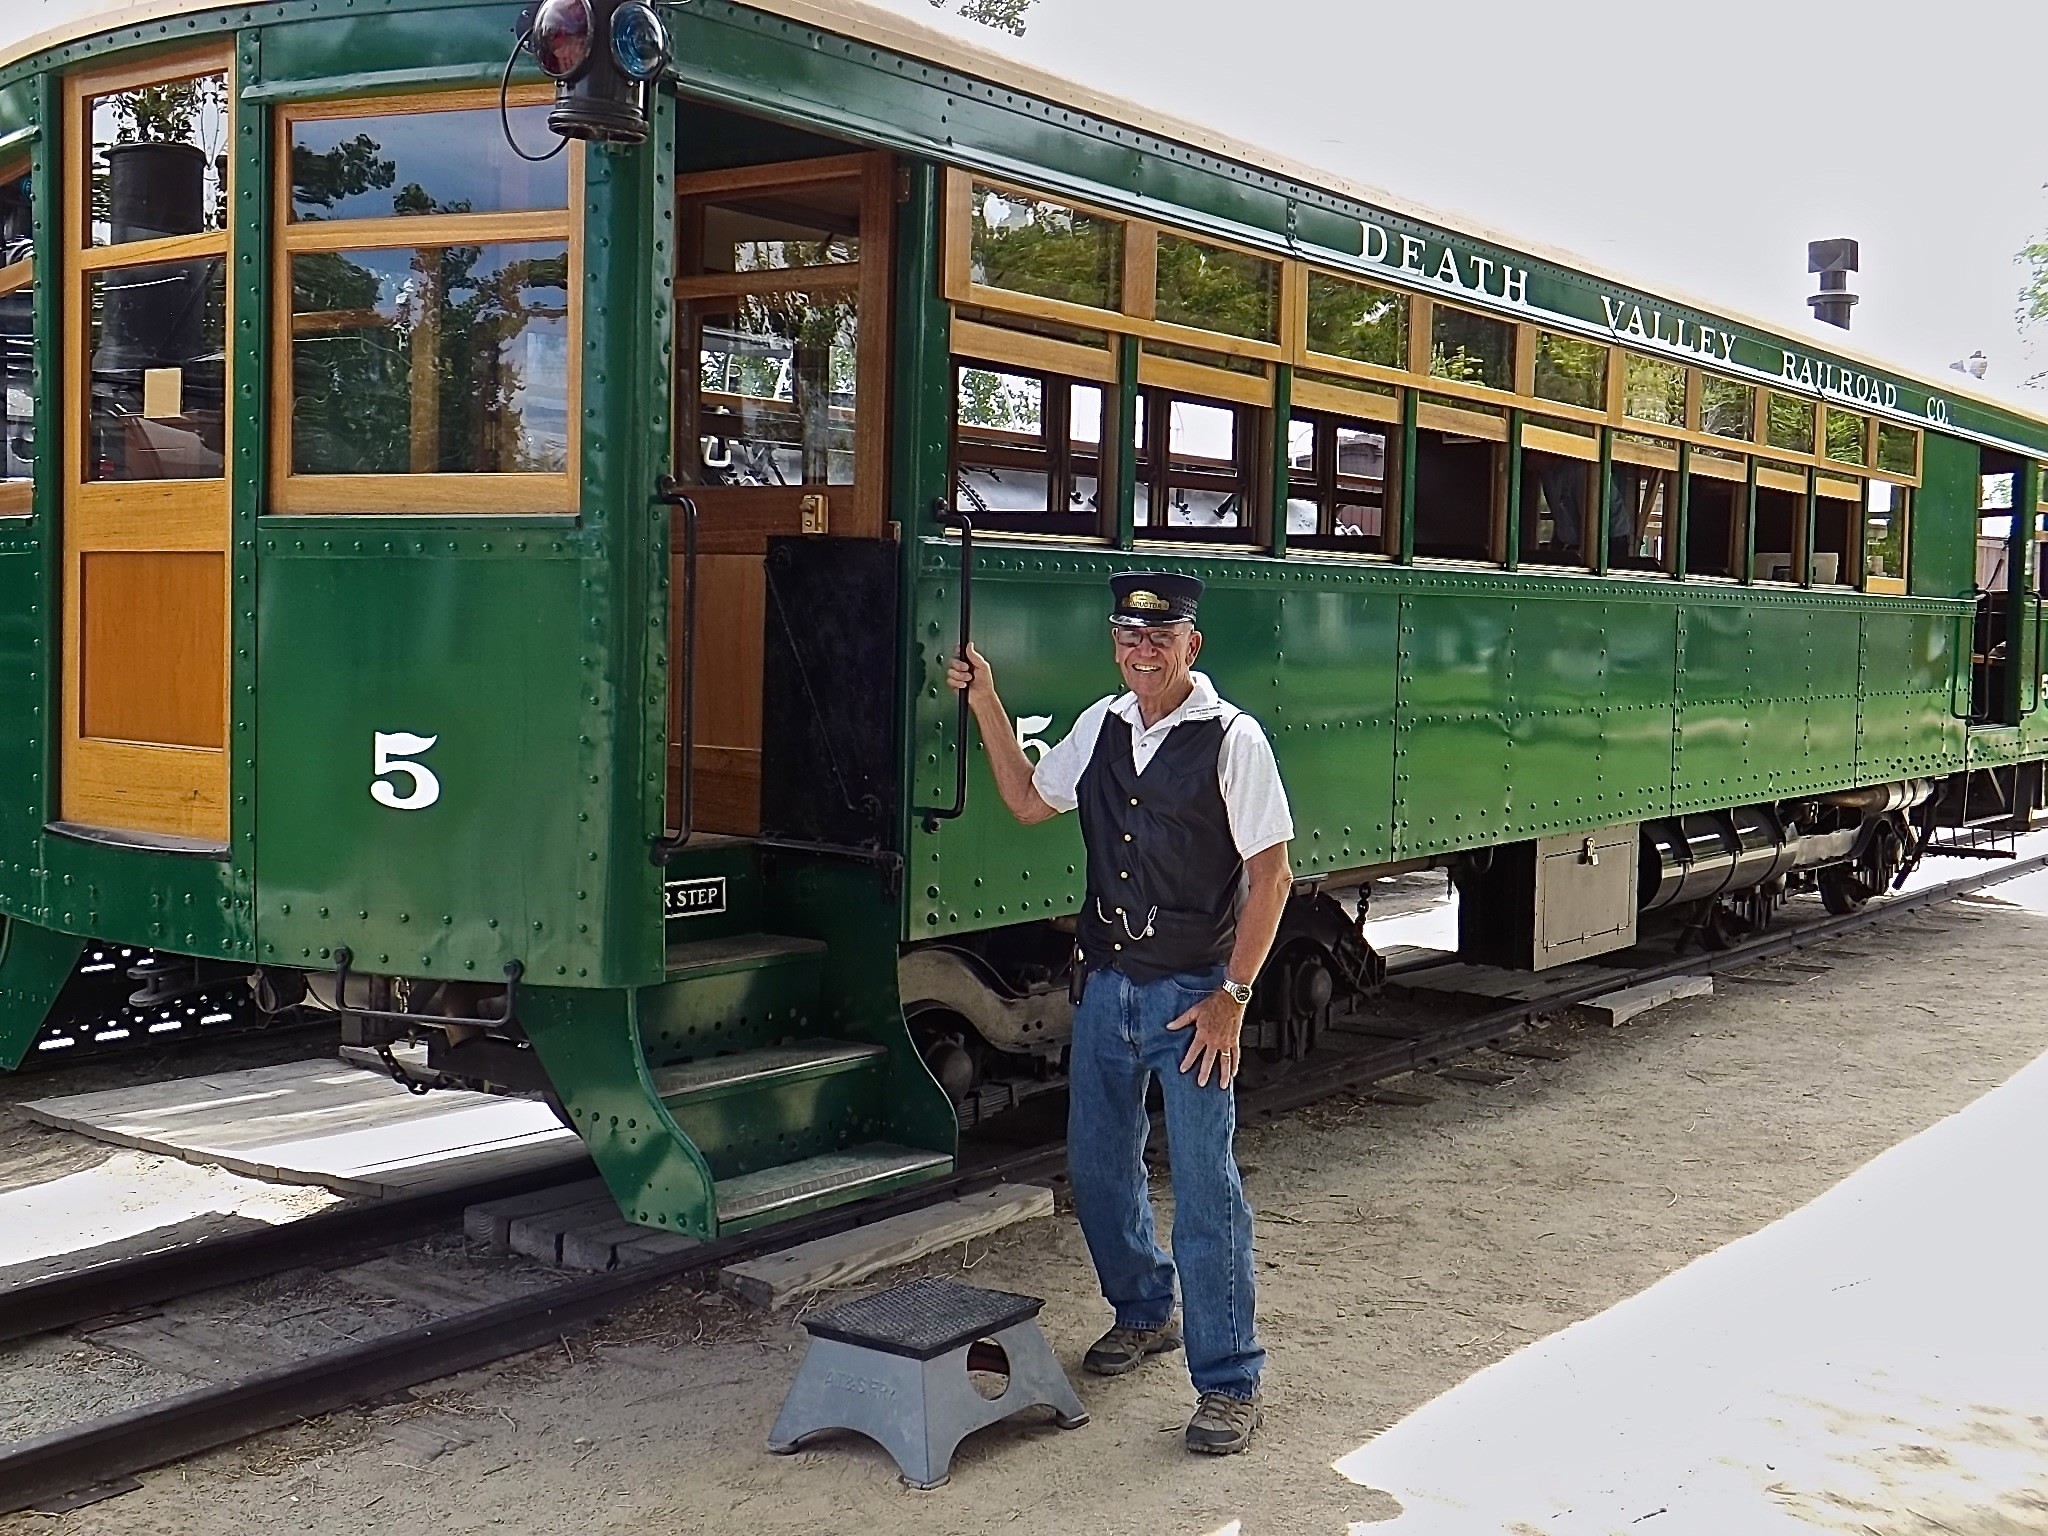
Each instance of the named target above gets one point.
<point>2005,673</point>
<point>144,665</point>
<point>782,351</point>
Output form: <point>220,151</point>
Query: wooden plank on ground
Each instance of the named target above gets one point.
<point>490,1221</point>
<point>777,1279</point>
<point>318,1122</point>
<point>1619,1007</point>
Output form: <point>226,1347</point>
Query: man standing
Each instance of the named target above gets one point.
<point>1186,826</point>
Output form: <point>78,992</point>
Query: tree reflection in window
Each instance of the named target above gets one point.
<point>776,375</point>
<point>1031,245</point>
<point>445,360</point>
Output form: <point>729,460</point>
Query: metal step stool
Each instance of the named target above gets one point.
<point>893,1366</point>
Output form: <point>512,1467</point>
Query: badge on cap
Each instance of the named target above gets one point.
<point>1146,602</point>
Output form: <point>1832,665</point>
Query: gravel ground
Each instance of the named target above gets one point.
<point>1401,1249</point>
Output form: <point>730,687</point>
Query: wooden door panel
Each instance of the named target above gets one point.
<point>149,656</point>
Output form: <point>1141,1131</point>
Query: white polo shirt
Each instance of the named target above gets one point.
<point>1253,795</point>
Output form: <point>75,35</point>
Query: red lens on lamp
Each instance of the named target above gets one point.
<point>563,37</point>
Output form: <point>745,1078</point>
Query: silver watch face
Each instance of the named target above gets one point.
<point>1238,989</point>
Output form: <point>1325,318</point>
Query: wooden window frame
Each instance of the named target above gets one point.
<point>154,787</point>
<point>1668,475</point>
<point>1887,586</point>
<point>1052,453</point>
<point>869,279</point>
<point>17,497</point>
<point>1324,484</point>
<point>1140,276</point>
<point>1136,318</point>
<point>1335,400</point>
<point>1153,456</point>
<point>479,493</point>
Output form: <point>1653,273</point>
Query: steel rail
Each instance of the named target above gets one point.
<point>51,1465</point>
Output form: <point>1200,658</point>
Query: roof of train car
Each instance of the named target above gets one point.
<point>876,25</point>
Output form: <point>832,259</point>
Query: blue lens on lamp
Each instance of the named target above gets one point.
<point>639,40</point>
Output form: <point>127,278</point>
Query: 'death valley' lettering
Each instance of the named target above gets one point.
<point>1470,274</point>
<point>1627,318</point>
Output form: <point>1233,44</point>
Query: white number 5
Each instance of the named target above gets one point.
<point>393,748</point>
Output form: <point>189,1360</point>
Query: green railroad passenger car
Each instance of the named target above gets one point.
<point>502,596</point>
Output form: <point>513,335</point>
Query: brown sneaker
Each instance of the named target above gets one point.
<point>1125,1349</point>
<point>1222,1426</point>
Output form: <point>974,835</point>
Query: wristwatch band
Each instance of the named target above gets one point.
<point>1240,991</point>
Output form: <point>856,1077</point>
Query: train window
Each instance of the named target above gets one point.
<point>449,360</point>
<point>157,337</point>
<point>1357,321</point>
<point>1837,528</point>
<point>1471,349</point>
<point>1641,506</point>
<point>429,284</point>
<point>1337,478</point>
<point>159,160</point>
<point>355,164</point>
<point>1653,390</point>
<point>1460,489</point>
<point>778,230</point>
<point>1211,288</point>
<point>1032,245</point>
<point>1196,468</point>
<point>1847,436</point>
<point>1780,526</point>
<point>17,341</point>
<point>1571,371</point>
<point>1898,449</point>
<point>1727,409</point>
<point>776,389</point>
<point>1884,536</point>
<point>1027,450</point>
<point>1788,423</point>
<point>1715,534</point>
<point>1558,494</point>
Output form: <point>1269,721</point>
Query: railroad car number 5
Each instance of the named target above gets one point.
<point>393,749</point>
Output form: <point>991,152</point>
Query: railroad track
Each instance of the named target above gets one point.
<point>36,1471</point>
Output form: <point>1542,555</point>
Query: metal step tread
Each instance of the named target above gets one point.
<point>741,952</point>
<point>747,1069</point>
<point>835,1173</point>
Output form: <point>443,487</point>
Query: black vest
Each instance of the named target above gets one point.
<point>1160,854</point>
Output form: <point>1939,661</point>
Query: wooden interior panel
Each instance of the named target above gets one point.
<point>731,608</point>
<point>151,664</point>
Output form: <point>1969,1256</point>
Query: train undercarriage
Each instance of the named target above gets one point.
<point>990,1014</point>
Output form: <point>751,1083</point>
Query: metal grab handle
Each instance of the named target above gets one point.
<point>948,518</point>
<point>668,493</point>
<point>513,971</point>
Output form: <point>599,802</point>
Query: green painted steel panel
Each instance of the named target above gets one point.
<point>23,690</point>
<point>34,965</point>
<point>482,654</point>
<point>1943,553</point>
<point>1329,706</point>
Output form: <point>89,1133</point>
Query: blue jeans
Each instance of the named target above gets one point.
<point>1120,1043</point>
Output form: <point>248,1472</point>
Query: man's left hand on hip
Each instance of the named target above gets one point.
<point>1215,1020</point>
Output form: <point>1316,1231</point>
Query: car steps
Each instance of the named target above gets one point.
<point>697,958</point>
<point>834,1178</point>
<point>712,1076</point>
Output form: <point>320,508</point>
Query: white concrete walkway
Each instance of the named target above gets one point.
<point>1875,1363</point>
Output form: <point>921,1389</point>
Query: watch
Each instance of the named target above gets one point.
<point>1240,991</point>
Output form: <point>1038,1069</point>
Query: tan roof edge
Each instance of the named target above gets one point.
<point>866,22</point>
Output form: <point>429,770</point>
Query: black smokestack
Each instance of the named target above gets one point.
<point>1834,260</point>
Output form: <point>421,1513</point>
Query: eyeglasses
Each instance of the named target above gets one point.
<point>1160,638</point>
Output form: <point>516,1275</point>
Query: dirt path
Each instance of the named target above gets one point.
<point>1400,1250</point>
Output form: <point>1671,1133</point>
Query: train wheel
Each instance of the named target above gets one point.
<point>1842,893</point>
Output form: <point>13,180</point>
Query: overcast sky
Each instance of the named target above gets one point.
<point>1697,147</point>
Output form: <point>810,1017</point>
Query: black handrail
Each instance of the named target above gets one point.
<point>668,493</point>
<point>949,518</point>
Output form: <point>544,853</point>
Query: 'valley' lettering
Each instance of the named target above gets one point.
<point>1626,318</point>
